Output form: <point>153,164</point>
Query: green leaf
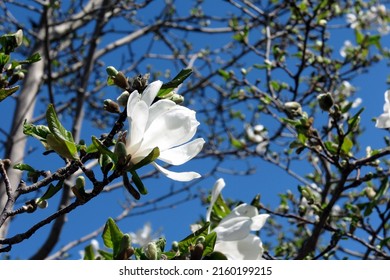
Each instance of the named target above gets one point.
<point>63,147</point>
<point>152,156</point>
<point>55,125</point>
<point>4,93</point>
<point>138,183</point>
<point>39,132</point>
<point>347,145</point>
<point>34,58</point>
<point>359,36</point>
<point>354,121</point>
<point>224,74</point>
<point>89,253</point>
<point>51,191</point>
<point>112,236</point>
<point>4,58</point>
<point>175,82</point>
<point>209,243</point>
<point>106,255</point>
<point>104,150</point>
<point>331,147</point>
<point>24,167</point>
<point>237,143</point>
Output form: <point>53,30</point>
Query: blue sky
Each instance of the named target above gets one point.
<point>268,180</point>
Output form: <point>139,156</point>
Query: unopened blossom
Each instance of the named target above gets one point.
<point>383,121</point>
<point>234,237</point>
<point>165,125</point>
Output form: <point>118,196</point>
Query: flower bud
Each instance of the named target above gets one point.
<point>122,99</point>
<point>197,252</point>
<point>370,192</point>
<point>293,109</point>
<point>42,203</point>
<point>120,151</point>
<point>111,106</point>
<point>121,81</point>
<point>322,22</point>
<point>80,182</point>
<point>175,246</point>
<point>151,251</point>
<point>325,101</point>
<point>111,71</point>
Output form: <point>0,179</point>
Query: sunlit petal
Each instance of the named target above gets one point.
<point>258,221</point>
<point>177,176</point>
<point>183,153</point>
<point>218,186</point>
<point>150,92</point>
<point>249,248</point>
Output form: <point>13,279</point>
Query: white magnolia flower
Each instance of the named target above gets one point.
<point>383,121</point>
<point>165,125</point>
<point>258,134</point>
<point>234,237</point>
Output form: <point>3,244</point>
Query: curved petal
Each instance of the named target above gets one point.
<point>387,96</point>
<point>150,92</point>
<point>137,117</point>
<point>258,221</point>
<point>233,229</point>
<point>172,128</point>
<point>249,248</point>
<point>177,176</point>
<point>159,108</point>
<point>217,188</point>
<point>242,210</point>
<point>183,153</point>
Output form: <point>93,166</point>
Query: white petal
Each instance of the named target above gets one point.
<point>258,221</point>
<point>243,210</point>
<point>383,121</point>
<point>233,229</point>
<point>218,186</point>
<point>172,128</point>
<point>137,118</point>
<point>159,108</point>
<point>177,176</point>
<point>249,248</point>
<point>183,153</point>
<point>150,92</point>
<point>387,96</point>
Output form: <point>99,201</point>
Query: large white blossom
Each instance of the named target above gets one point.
<point>165,125</point>
<point>234,237</point>
<point>383,121</point>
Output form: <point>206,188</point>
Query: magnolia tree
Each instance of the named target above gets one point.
<point>101,92</point>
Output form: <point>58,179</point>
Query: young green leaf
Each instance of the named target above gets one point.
<point>175,82</point>
<point>209,243</point>
<point>112,236</point>
<point>4,93</point>
<point>104,150</point>
<point>138,183</point>
<point>24,167</point>
<point>51,191</point>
